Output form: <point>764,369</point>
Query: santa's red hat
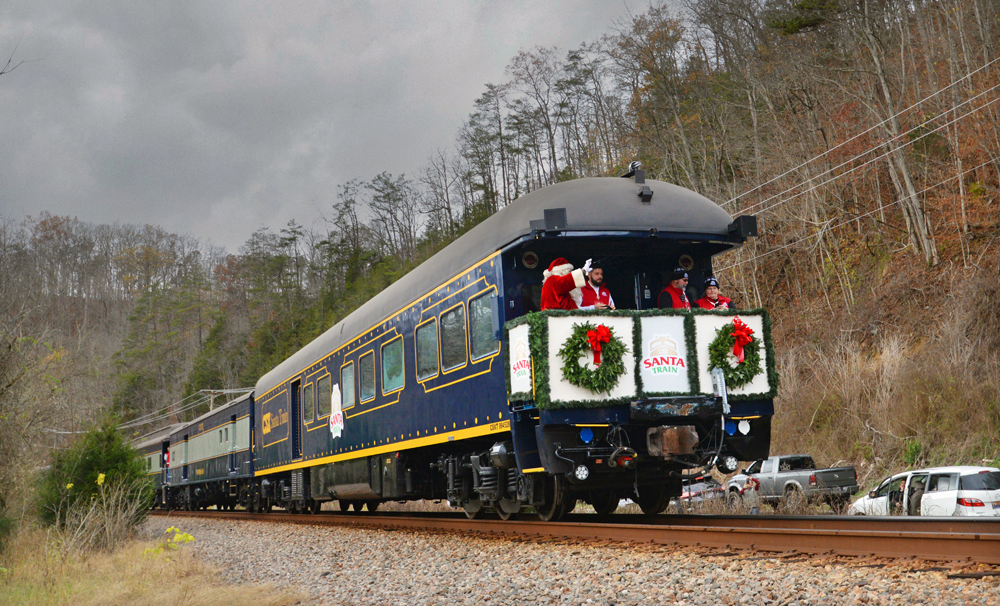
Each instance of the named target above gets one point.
<point>559,261</point>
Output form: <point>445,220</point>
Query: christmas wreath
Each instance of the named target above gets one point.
<point>608,351</point>
<point>735,342</point>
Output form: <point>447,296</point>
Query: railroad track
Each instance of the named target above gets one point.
<point>937,539</point>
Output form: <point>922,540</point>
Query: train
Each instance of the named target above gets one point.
<point>448,384</point>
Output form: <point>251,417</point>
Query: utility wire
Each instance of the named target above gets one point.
<point>872,160</point>
<point>850,220</point>
<point>157,416</point>
<point>861,134</point>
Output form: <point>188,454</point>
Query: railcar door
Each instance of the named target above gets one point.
<point>296,418</point>
<point>231,438</point>
<point>164,464</point>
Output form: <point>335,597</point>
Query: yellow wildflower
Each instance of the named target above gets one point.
<point>69,486</point>
<point>100,479</point>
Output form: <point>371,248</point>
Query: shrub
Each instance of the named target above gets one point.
<point>97,487</point>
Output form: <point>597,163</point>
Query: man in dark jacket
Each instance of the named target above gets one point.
<point>673,296</point>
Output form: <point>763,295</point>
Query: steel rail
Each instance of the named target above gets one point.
<point>940,539</point>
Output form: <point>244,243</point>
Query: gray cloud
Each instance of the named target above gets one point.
<point>213,119</point>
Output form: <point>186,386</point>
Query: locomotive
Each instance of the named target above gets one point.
<point>448,385</point>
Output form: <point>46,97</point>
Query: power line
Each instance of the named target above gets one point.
<point>861,134</point>
<point>870,161</point>
<point>852,219</point>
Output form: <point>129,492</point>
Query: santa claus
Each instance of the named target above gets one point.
<point>561,288</point>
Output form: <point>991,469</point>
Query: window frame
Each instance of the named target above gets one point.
<point>489,293</point>
<point>312,408</point>
<point>402,353</point>
<point>465,322</point>
<point>354,385</point>
<point>437,350</point>
<point>316,380</point>
<point>361,396</point>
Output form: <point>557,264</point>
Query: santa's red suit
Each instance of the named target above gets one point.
<point>592,297</point>
<point>720,303</point>
<point>561,288</point>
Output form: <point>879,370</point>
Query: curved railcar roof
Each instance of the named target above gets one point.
<point>180,426</point>
<point>594,204</point>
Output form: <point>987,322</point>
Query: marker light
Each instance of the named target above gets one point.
<point>582,472</point>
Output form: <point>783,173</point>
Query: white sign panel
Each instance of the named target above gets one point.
<point>663,366</point>
<point>519,359</point>
<point>561,329</point>
<point>337,414</point>
<point>706,327</point>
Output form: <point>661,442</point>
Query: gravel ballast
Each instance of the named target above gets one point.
<point>346,565</point>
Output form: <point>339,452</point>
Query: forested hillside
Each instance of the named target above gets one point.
<point>864,135</point>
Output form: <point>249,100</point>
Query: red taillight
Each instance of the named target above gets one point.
<point>624,461</point>
<point>970,502</point>
<point>855,476</point>
<point>812,480</point>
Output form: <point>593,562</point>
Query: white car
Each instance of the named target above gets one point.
<point>947,491</point>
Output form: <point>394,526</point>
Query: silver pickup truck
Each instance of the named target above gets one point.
<point>788,476</point>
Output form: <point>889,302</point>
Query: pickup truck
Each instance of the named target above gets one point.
<point>787,476</point>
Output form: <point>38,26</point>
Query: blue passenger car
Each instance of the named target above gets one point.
<point>408,397</point>
<point>210,460</point>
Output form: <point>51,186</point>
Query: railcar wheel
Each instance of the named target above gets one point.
<point>357,506</point>
<point>473,508</point>
<point>604,503</point>
<point>557,501</point>
<point>652,500</point>
<point>372,506</point>
<point>344,505</point>
<point>315,507</point>
<point>508,509</point>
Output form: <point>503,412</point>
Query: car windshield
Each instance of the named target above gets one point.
<point>702,484</point>
<point>987,480</point>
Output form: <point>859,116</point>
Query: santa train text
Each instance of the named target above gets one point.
<point>454,384</point>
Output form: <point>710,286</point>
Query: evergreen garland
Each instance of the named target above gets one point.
<point>718,357</point>
<point>605,377</point>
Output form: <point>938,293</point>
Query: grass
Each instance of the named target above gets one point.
<point>35,571</point>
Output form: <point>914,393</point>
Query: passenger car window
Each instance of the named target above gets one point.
<point>308,403</point>
<point>754,468</point>
<point>347,385</point>
<point>767,466</point>
<point>453,348</point>
<point>427,350</point>
<point>392,366</point>
<point>481,327</point>
<point>366,366</point>
<point>883,489</point>
<point>985,480</point>
<point>939,483</point>
<point>323,392</point>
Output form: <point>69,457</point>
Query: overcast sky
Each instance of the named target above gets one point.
<point>213,119</point>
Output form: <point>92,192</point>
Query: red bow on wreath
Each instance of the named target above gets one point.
<point>744,335</point>
<point>601,335</point>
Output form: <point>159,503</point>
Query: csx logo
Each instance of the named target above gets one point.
<point>271,421</point>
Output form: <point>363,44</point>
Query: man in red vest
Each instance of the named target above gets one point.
<point>712,298</point>
<point>561,288</point>
<point>673,296</point>
<point>595,294</point>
